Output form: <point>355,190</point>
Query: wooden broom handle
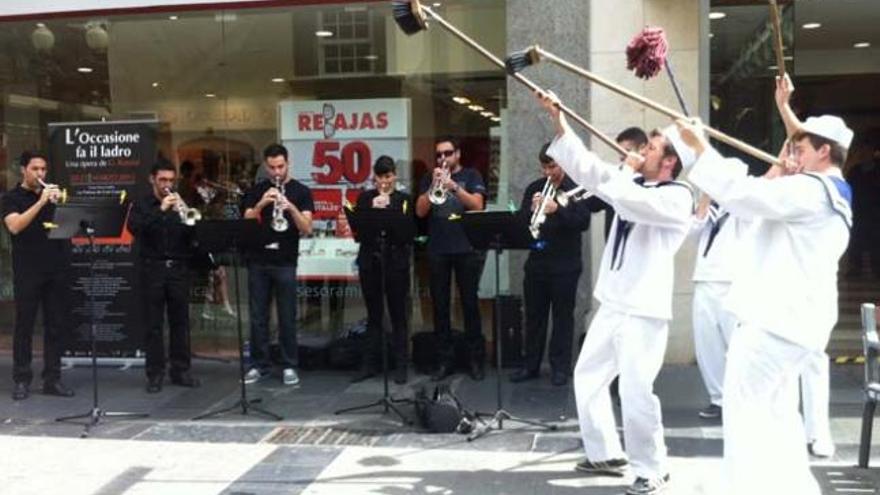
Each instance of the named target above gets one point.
<point>777,38</point>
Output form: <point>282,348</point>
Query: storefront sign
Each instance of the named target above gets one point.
<point>104,160</point>
<point>13,8</point>
<point>333,145</point>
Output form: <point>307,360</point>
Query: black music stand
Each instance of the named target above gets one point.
<point>498,230</point>
<point>216,236</point>
<point>91,219</point>
<point>384,226</point>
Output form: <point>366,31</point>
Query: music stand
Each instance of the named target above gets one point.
<point>498,230</point>
<point>217,236</point>
<point>98,218</point>
<point>384,226</point>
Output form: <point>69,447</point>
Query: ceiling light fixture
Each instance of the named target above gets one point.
<point>371,57</point>
<point>210,95</point>
<point>495,119</point>
<point>487,114</point>
<point>812,25</point>
<point>476,108</point>
<point>323,33</point>
<point>861,44</point>
<point>155,84</point>
<point>461,100</point>
<point>714,16</point>
<point>85,70</point>
<point>173,18</point>
<point>277,79</point>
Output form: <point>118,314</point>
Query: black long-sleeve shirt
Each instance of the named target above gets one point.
<point>559,248</point>
<point>159,234</point>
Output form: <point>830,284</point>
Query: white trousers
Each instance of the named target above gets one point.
<point>764,450</point>
<point>815,393</point>
<point>713,326</point>
<point>632,347</point>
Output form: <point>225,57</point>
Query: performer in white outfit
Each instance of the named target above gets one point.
<point>629,332</point>
<point>785,299</point>
<point>717,253</point>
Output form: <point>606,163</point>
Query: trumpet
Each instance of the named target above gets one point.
<point>61,197</point>
<point>577,194</point>
<point>279,223</point>
<point>188,216</point>
<point>539,215</point>
<point>439,193</point>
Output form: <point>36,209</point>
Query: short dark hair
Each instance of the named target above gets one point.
<point>837,153</point>
<point>384,164</point>
<point>543,157</point>
<point>273,150</point>
<point>669,150</point>
<point>448,139</point>
<point>27,156</point>
<point>634,134</point>
<point>162,165</point>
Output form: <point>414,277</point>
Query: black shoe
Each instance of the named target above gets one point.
<point>56,388</point>
<point>477,371</point>
<point>711,411</point>
<point>400,375</point>
<point>559,378</point>
<point>184,380</point>
<point>443,372</point>
<point>611,467</point>
<point>522,375</point>
<point>365,374</point>
<point>154,384</point>
<point>21,391</point>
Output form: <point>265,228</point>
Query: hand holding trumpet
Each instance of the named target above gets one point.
<point>51,193</point>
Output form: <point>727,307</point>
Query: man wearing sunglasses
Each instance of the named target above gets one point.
<point>449,251</point>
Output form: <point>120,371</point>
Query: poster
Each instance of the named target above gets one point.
<point>108,161</point>
<point>333,145</point>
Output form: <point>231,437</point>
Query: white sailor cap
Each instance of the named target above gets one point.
<point>686,154</point>
<point>829,127</point>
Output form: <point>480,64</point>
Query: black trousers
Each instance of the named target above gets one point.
<point>467,268</point>
<point>545,294</point>
<point>166,290</point>
<point>33,288</point>
<point>396,297</point>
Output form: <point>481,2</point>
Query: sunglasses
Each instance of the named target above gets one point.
<point>445,153</point>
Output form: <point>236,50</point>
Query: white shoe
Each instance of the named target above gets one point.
<point>290,377</point>
<point>822,448</point>
<point>252,376</point>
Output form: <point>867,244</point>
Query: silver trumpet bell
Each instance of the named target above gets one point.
<point>279,222</point>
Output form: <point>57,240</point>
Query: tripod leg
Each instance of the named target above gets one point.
<point>379,402</point>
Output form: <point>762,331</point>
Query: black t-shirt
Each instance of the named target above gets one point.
<point>279,248</point>
<point>159,234</point>
<point>32,250</point>
<point>559,247</point>
<point>444,236</point>
<point>399,254</point>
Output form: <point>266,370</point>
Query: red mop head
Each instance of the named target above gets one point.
<point>646,53</point>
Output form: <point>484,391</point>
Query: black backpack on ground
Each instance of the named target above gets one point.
<point>442,412</point>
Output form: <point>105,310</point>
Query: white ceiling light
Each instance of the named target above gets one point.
<point>436,4</point>
<point>277,79</point>
<point>210,95</point>
<point>812,25</point>
<point>717,15</point>
<point>711,35</point>
<point>173,17</point>
<point>155,84</point>
<point>85,70</point>
<point>461,100</point>
<point>861,44</point>
<point>476,108</point>
<point>323,34</point>
<point>487,114</point>
<point>371,57</point>
<point>495,119</point>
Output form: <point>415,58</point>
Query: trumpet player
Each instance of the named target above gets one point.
<point>552,271</point>
<point>163,240</point>
<point>452,189</point>
<point>283,206</point>
<point>396,264</point>
<point>40,277</point>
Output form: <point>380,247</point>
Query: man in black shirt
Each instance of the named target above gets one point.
<point>552,271</point>
<point>40,276</point>
<point>396,264</point>
<point>164,247</point>
<point>450,251</point>
<point>272,268</point>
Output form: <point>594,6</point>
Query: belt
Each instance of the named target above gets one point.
<point>168,262</point>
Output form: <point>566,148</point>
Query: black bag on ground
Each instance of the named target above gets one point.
<point>442,412</point>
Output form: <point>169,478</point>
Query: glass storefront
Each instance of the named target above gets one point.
<point>218,84</point>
